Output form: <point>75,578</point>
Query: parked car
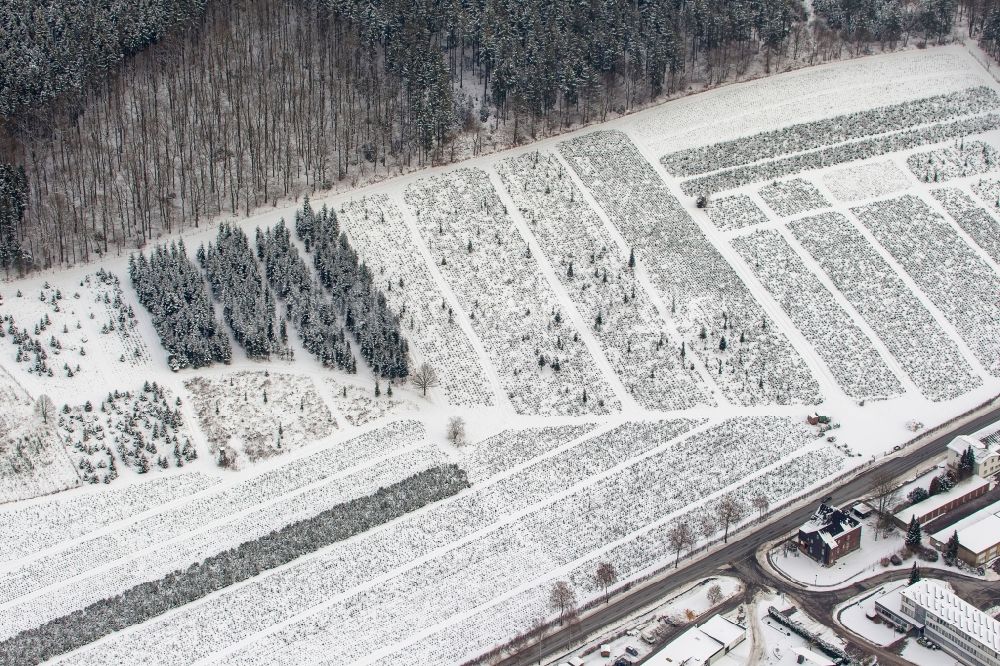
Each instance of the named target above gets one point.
<point>632,651</point>
<point>623,661</point>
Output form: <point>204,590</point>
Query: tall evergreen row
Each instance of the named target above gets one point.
<point>171,287</point>
<point>247,303</point>
<point>312,313</point>
<point>360,302</point>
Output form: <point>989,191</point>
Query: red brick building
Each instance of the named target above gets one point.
<point>829,535</point>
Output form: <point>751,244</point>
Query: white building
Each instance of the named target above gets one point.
<point>985,445</point>
<point>700,646</point>
<point>978,536</point>
<point>961,629</point>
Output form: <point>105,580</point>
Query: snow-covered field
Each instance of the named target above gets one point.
<point>623,361</point>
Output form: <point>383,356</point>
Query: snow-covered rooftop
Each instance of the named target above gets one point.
<point>937,501</point>
<point>982,445</point>
<point>693,647</point>
<point>989,435</point>
<point>976,532</point>
<point>723,630</point>
<point>955,611</point>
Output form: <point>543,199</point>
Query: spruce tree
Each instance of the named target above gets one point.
<point>914,534</point>
<point>914,574</point>
<point>951,549</point>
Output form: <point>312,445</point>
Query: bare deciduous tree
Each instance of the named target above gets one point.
<point>730,511</point>
<point>456,430</point>
<point>425,377</point>
<point>707,525</point>
<point>680,537</point>
<point>714,594</point>
<point>45,407</point>
<point>562,598</point>
<point>606,576</point>
<point>761,504</point>
<point>884,496</point>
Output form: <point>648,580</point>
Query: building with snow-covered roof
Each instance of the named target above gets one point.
<point>961,629</point>
<point>942,503</point>
<point>985,445</point>
<point>978,536</point>
<point>700,646</point>
<point>829,535</point>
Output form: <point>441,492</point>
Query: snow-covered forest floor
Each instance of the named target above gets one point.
<point>623,360</point>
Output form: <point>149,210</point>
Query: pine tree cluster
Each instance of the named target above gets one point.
<point>309,310</point>
<point>247,302</point>
<point>171,287</point>
<point>359,301</point>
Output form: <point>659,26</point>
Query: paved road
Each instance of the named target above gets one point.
<point>744,546</point>
<point>820,604</point>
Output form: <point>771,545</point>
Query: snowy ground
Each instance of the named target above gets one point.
<point>688,364</point>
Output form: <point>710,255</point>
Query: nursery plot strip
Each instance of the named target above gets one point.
<point>477,632</point>
<point>792,197</point>
<point>839,129</point>
<point>756,364</point>
<point>215,537</point>
<point>179,520</point>
<point>960,284</point>
<point>735,212</point>
<point>961,160</point>
<point>869,283</point>
<point>972,218</point>
<point>236,615</point>
<point>379,232</point>
<point>32,528</point>
<point>848,152</point>
<point>597,277</point>
<point>544,366</point>
<point>845,349</point>
<point>510,448</point>
<point>245,561</point>
<point>538,542</point>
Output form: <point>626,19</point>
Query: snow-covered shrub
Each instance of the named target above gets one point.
<point>850,355</point>
<point>963,158</point>
<point>543,363</point>
<point>957,281</point>
<point>866,180</point>
<point>600,278</point>
<point>720,321</point>
<point>806,136</point>
<point>261,414</point>
<point>895,314</point>
<point>791,197</point>
<point>972,218</point>
<point>737,211</point>
<point>858,150</point>
<point>378,230</point>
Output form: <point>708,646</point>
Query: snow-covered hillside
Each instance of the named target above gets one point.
<point>622,361</point>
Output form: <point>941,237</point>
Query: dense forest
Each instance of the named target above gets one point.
<point>132,119</point>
